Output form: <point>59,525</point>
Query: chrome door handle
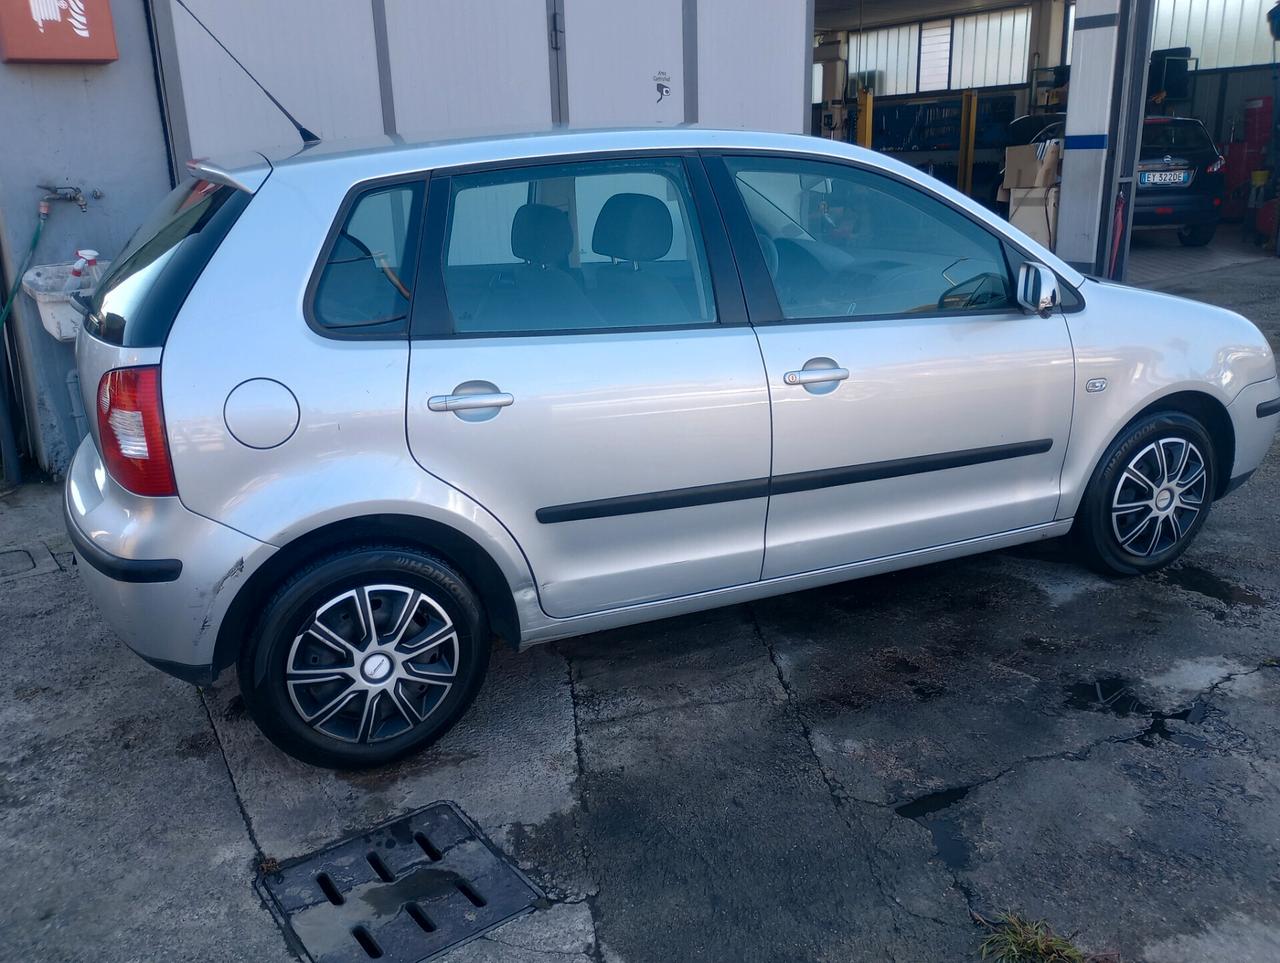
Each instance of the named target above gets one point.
<point>492,399</point>
<point>815,376</point>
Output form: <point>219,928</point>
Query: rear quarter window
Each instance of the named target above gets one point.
<point>135,304</point>
<point>365,285</point>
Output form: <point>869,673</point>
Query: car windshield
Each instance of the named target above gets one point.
<point>1160,137</point>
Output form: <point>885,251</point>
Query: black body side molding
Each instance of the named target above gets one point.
<point>786,484</point>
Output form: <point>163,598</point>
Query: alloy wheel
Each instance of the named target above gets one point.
<point>1159,496</point>
<point>372,663</point>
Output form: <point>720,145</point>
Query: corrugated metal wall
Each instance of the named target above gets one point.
<point>891,54</point>
<point>959,53</point>
<point>991,49</point>
<point>1222,33</point>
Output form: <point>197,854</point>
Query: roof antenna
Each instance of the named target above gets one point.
<point>308,138</point>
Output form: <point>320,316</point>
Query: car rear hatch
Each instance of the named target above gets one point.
<point>1173,150</point>
<point>128,315</point>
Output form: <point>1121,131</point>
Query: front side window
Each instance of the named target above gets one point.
<point>843,242</point>
<point>367,277</point>
<point>582,246</point>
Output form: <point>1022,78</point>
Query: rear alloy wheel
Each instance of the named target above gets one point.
<point>364,657</point>
<point>1149,496</point>
<point>1196,235</point>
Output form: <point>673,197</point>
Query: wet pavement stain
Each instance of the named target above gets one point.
<point>1111,694</point>
<point>1201,581</point>
<point>1115,695</point>
<point>948,839</point>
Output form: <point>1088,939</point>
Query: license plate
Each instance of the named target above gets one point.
<point>1163,177</point>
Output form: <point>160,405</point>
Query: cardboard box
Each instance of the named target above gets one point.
<point>1034,211</point>
<point>1050,164</point>
<point>1021,165</point>
<point>1032,165</point>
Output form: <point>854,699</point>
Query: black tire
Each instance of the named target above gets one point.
<point>1196,235</point>
<point>1102,536</point>
<point>409,591</point>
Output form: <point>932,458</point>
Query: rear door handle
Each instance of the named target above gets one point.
<point>492,399</point>
<point>815,376</point>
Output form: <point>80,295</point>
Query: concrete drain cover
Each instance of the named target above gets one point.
<point>402,892</point>
<point>23,561</point>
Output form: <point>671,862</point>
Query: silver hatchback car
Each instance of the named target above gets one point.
<point>362,408</point>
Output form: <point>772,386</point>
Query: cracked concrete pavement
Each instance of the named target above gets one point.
<point>844,774</point>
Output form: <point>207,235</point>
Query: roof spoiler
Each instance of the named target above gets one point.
<point>244,173</point>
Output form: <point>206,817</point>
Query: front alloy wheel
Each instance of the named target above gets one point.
<point>1149,495</point>
<point>1159,496</point>
<point>364,657</point>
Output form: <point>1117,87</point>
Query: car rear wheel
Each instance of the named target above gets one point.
<point>365,656</point>
<point>1149,496</point>
<point>1196,235</point>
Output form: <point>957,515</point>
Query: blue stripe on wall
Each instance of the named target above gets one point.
<point>1085,142</point>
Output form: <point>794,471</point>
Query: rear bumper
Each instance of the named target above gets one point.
<point>1173,208</point>
<point>161,576</point>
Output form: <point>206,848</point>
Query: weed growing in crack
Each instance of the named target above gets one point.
<point>1014,939</point>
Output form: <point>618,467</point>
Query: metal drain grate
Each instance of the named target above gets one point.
<point>401,892</point>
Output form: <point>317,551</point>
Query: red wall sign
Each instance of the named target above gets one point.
<point>57,31</point>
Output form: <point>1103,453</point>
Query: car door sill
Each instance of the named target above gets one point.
<point>547,629</point>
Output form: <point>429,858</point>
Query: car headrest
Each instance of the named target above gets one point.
<point>540,234</point>
<point>632,227</point>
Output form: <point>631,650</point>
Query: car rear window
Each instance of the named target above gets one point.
<point>1165,136</point>
<point>136,302</point>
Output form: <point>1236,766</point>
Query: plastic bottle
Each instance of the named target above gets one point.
<point>75,280</point>
<point>94,272</point>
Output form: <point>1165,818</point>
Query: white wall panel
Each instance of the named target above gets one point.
<point>473,67</point>
<point>935,55</point>
<point>316,56</point>
<point>617,52</point>
<point>752,62</point>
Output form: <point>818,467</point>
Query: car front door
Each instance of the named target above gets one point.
<point>582,367</point>
<point>914,404</point>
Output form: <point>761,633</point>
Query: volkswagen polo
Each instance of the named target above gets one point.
<point>360,409</point>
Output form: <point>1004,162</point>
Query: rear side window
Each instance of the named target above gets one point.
<point>367,277</point>
<point>135,304</point>
<point>595,245</point>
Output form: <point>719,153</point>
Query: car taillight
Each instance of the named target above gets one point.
<point>1216,166</point>
<point>131,431</point>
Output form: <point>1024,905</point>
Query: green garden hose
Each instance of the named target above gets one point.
<point>9,468</point>
<point>17,278</point>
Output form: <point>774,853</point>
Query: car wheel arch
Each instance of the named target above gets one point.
<point>448,544</point>
<point>1202,406</point>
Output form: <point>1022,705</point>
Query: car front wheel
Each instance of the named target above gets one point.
<point>365,656</point>
<point>1149,496</point>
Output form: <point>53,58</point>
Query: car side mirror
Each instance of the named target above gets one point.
<point>1037,289</point>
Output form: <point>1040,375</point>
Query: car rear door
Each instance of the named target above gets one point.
<point>582,367</point>
<point>914,404</point>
